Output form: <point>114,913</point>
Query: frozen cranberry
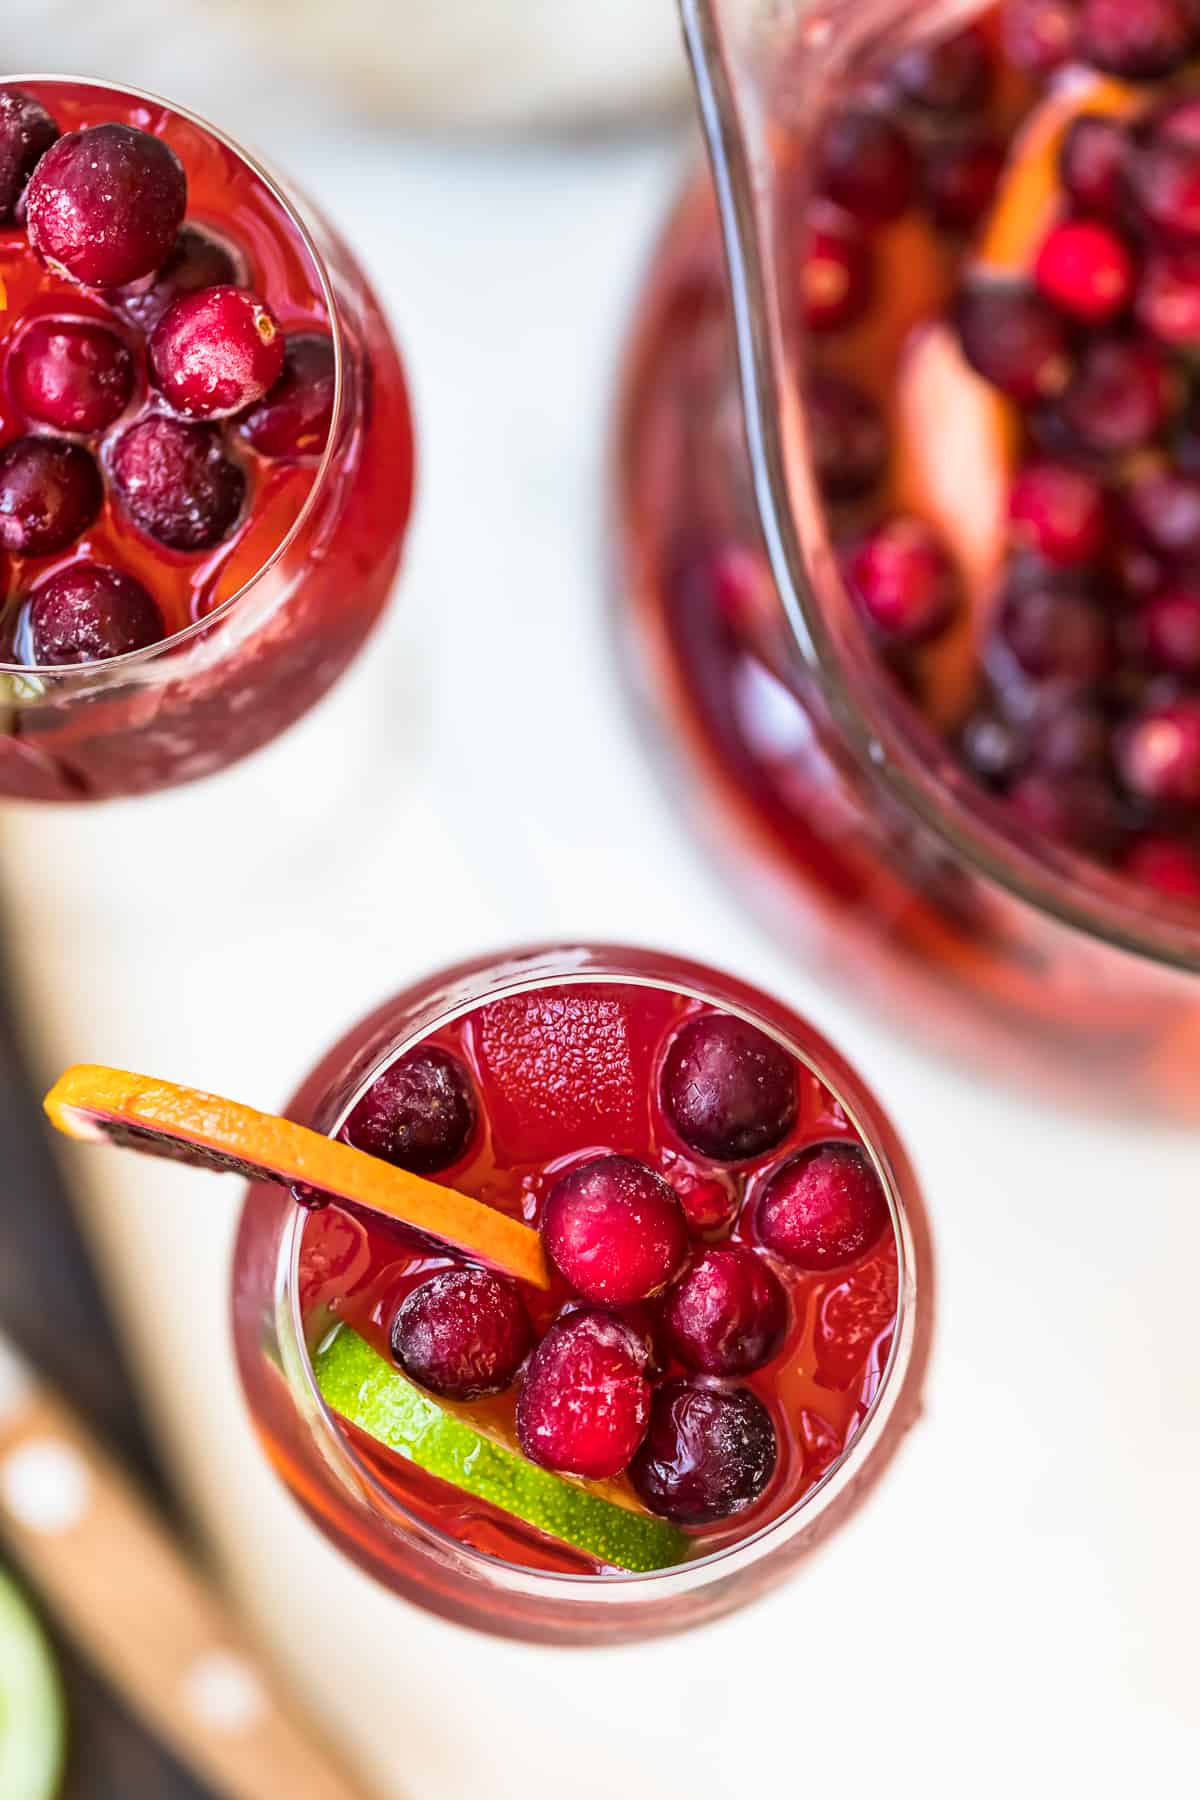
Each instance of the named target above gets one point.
<point>1039,35</point>
<point>73,374</point>
<point>1058,512</point>
<point>585,1402</point>
<point>905,582</point>
<point>463,1333</point>
<point>1119,397</point>
<point>1158,753</point>
<point>1085,269</point>
<point>1077,810</point>
<point>1168,298</point>
<point>26,133</point>
<point>177,483</point>
<point>867,165</point>
<point>961,181</point>
<point>847,436</point>
<point>823,1207</point>
<point>709,1453</point>
<point>104,204</point>
<point>642,1326</point>
<point>196,261</point>
<point>1168,865</point>
<point>836,274</point>
<point>215,352</point>
<point>992,748</point>
<point>1092,161</point>
<point>87,612</point>
<point>1015,340</point>
<point>947,74</point>
<point>294,417</point>
<point>419,1114</point>
<point>614,1230</point>
<point>1139,39</point>
<point>1055,632</point>
<point>1169,631</point>
<point>1164,508</point>
<point>50,491</point>
<point>728,1089</point>
<point>727,1314</point>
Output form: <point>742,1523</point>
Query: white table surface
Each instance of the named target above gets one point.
<point>1017,1610</point>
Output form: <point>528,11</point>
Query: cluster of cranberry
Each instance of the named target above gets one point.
<point>131,400</point>
<point>1087,712</point>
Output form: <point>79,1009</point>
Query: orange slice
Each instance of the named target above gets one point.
<point>159,1118</point>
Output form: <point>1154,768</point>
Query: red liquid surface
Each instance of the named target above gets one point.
<point>563,1074</point>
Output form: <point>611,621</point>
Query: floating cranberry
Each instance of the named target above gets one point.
<point>1178,121</point>
<point>1084,269</point>
<point>1164,508</point>
<point>1015,340</point>
<point>961,181</point>
<point>867,166</point>
<point>847,436</point>
<point>88,612</point>
<point>836,274</point>
<point>196,261</point>
<point>50,491</point>
<point>728,1089</point>
<point>585,1402</point>
<point>177,482</point>
<point>73,374</point>
<point>105,203</point>
<point>1158,753</point>
<point>1168,865</point>
<point>1119,397</point>
<point>904,581</point>
<point>215,352</point>
<point>1077,810</point>
<point>419,1114</point>
<point>1139,39</point>
<point>947,74</point>
<point>727,1314</point>
<point>1164,178</point>
<point>709,1453</point>
<point>823,1207</point>
<point>614,1230</point>
<point>1055,632</point>
<point>1092,161</point>
<point>1039,35</point>
<point>1168,298</point>
<point>294,418</point>
<point>1058,512</point>
<point>26,133</point>
<point>463,1333</point>
<point>1169,630</point>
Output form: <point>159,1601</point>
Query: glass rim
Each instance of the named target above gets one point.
<point>1071,889</point>
<point>81,674</point>
<point>831,1070</point>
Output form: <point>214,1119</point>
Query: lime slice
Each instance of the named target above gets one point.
<point>371,1394</point>
<point>32,1727</point>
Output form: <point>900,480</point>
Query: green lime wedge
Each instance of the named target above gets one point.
<point>32,1719</point>
<point>371,1394</point>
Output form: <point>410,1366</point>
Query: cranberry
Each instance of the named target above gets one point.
<point>1158,753</point>
<point>1119,397</point>
<point>709,1453</point>
<point>727,1314</point>
<point>196,261</point>
<point>728,1089</point>
<point>1078,810</point>
<point>1178,122</point>
<point>1168,865</point>
<point>1055,633</point>
<point>215,352</point>
<point>1085,269</point>
<point>992,748</point>
<point>419,1114</point>
<point>294,418</point>
<point>1058,512</point>
<point>1169,630</point>
<point>87,612</point>
<point>947,74</point>
<point>823,1207</point>
<point>585,1402</point>
<point>463,1333</point>
<point>1039,35</point>
<point>1075,739</point>
<point>847,436</point>
<point>1139,39</point>
<point>73,374</point>
<point>1168,298</point>
<point>614,1230</point>
<point>1015,340</point>
<point>1164,508</point>
<point>1093,160</point>
<point>26,133</point>
<point>177,482</point>
<point>836,274</point>
<point>1164,178</point>
<point>104,204</point>
<point>867,166</point>
<point>961,181</point>
<point>905,582</point>
<point>50,491</point>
